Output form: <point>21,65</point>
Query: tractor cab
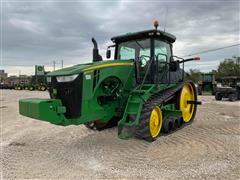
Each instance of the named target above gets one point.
<point>151,51</point>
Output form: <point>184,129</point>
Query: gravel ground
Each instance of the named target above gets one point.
<point>206,149</point>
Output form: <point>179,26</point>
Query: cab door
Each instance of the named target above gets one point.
<point>163,54</point>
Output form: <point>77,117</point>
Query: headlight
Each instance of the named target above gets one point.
<point>67,78</point>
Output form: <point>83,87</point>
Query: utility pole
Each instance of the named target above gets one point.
<point>54,64</point>
<point>62,63</point>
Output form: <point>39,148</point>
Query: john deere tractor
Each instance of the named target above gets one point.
<point>142,90</point>
<point>207,83</point>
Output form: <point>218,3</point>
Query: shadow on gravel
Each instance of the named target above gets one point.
<point>17,144</point>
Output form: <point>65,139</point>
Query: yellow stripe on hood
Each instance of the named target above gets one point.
<point>108,65</point>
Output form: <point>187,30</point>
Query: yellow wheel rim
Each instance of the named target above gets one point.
<point>42,88</point>
<point>187,94</point>
<point>155,122</point>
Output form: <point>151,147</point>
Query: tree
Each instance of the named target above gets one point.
<point>194,75</point>
<point>229,67</point>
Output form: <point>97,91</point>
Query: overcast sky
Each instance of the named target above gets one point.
<point>42,31</point>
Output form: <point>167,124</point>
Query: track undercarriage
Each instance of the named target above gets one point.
<point>164,111</point>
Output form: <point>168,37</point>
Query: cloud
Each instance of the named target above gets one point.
<point>40,32</point>
<point>25,25</point>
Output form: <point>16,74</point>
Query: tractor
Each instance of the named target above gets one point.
<point>38,81</point>
<point>207,84</point>
<point>142,90</point>
<point>228,87</point>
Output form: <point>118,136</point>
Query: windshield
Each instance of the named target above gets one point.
<point>133,49</point>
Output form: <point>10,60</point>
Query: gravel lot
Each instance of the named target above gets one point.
<point>206,149</point>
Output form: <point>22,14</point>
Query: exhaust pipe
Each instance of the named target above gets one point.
<point>96,56</point>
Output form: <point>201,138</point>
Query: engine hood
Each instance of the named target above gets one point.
<point>90,67</point>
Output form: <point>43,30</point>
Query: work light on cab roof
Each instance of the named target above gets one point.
<point>155,24</point>
<point>142,90</point>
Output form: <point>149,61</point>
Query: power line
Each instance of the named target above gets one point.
<point>211,50</point>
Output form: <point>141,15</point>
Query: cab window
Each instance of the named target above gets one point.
<point>162,50</point>
<point>133,49</point>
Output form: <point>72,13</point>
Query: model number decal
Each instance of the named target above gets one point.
<point>88,76</point>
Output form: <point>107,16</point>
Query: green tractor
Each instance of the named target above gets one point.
<point>142,90</point>
<point>207,84</point>
<point>38,81</point>
<point>20,86</point>
<point>228,87</point>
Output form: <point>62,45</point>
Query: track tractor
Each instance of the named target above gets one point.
<point>207,84</point>
<point>142,90</point>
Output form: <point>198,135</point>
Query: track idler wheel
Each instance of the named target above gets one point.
<point>150,124</point>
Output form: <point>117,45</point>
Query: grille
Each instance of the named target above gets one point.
<point>70,94</point>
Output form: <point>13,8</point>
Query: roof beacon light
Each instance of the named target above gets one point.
<point>156,24</point>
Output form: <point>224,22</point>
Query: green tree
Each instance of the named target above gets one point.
<point>229,67</point>
<point>194,75</point>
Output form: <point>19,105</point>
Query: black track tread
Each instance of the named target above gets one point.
<point>142,130</point>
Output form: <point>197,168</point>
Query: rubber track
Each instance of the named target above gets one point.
<point>142,130</point>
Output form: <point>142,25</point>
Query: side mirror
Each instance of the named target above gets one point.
<point>174,66</point>
<point>108,54</point>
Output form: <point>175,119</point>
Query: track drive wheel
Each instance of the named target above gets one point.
<point>150,124</point>
<point>188,93</point>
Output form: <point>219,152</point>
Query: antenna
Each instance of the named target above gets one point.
<point>165,23</point>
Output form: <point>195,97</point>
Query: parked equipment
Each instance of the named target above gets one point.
<point>37,81</point>
<point>142,90</point>
<point>228,87</point>
<point>207,83</point>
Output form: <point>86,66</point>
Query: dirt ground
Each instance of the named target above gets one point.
<point>206,149</point>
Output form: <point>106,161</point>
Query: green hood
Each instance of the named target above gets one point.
<point>88,67</point>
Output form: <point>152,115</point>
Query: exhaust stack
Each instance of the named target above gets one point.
<point>96,56</point>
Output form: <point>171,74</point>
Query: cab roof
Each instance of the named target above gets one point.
<point>145,34</point>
